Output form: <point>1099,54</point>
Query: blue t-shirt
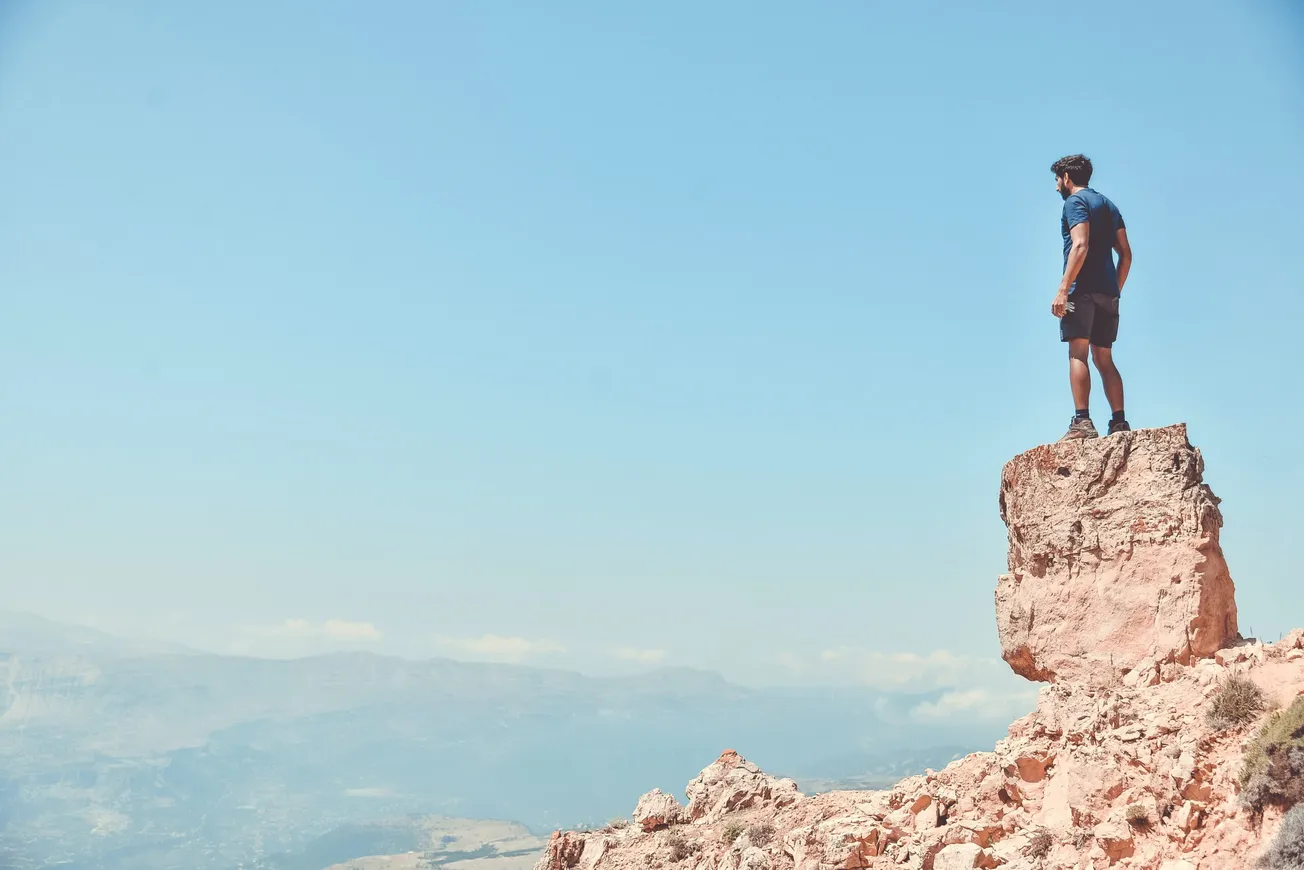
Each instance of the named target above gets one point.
<point>1097,274</point>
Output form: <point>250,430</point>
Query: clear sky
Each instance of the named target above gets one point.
<point>605,335</point>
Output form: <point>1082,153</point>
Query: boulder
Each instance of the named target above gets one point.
<point>1114,560</point>
<point>656,809</point>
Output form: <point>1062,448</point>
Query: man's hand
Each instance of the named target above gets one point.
<point>1059,307</point>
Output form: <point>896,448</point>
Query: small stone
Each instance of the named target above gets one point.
<point>961,856</point>
<point>1115,838</point>
<point>1187,816</point>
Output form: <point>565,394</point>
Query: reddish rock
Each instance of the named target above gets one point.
<point>1114,561</point>
<point>564,851</point>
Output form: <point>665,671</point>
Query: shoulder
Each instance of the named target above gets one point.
<point>1103,200</point>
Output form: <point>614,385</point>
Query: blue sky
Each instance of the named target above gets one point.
<point>608,335</point>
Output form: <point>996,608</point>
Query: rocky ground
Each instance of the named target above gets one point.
<point>1119,598</point>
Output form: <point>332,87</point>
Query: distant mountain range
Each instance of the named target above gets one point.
<point>119,755</point>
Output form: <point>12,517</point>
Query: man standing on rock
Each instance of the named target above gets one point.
<point>1087,301</point>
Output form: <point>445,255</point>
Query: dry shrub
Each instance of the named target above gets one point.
<point>761,834</point>
<point>732,831</point>
<point>1039,844</point>
<point>1137,816</point>
<point>1237,701</point>
<point>681,848</point>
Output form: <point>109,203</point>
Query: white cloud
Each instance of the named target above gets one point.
<point>964,687</point>
<point>501,649</point>
<point>331,629</point>
<point>643,656</point>
<point>951,703</point>
<point>343,629</point>
<point>907,670</point>
<point>985,704</point>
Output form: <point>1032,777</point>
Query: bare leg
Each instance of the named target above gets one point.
<point>1109,376</point>
<point>1079,373</point>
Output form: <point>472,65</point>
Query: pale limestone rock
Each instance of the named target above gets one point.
<point>656,809</point>
<point>1186,817</point>
<point>733,783</point>
<point>754,858</point>
<point>962,856</point>
<point>1114,558</point>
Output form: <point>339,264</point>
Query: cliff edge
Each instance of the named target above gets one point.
<point>1147,747</point>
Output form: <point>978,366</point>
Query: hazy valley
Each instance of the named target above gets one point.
<point>116,756</point>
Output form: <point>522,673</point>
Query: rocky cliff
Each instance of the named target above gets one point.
<point>1118,596</point>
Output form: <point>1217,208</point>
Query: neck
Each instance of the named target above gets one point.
<point>1074,188</point>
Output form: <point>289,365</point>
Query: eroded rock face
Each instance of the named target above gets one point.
<point>1114,558</point>
<point>1114,561</point>
<point>733,783</point>
<point>1057,793</point>
<point>656,809</point>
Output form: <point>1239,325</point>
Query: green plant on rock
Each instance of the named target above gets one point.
<point>1237,701</point>
<point>1137,816</point>
<point>1287,849</point>
<point>732,831</point>
<point>1272,772</point>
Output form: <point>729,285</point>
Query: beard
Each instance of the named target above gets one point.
<point>1063,191</point>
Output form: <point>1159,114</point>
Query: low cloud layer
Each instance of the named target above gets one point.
<point>494,647</point>
<point>908,670</point>
<point>642,656</point>
<point>331,629</point>
<point>963,687</point>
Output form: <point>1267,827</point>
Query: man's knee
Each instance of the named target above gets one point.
<point>1103,357</point>
<point>1078,348</point>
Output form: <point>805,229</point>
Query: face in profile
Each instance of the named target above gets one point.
<point>1062,185</point>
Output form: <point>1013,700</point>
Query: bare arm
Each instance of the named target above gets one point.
<point>1124,256</point>
<point>1079,236</point>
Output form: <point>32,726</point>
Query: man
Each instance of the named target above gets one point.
<point>1087,301</point>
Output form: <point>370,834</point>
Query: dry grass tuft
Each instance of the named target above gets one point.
<point>1238,701</point>
<point>1039,844</point>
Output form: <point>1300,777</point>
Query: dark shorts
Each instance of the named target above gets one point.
<point>1094,316</point>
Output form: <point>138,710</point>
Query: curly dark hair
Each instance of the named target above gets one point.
<point>1076,165</point>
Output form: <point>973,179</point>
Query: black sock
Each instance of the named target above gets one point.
<point>1082,414</point>
<point>1118,417</point>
